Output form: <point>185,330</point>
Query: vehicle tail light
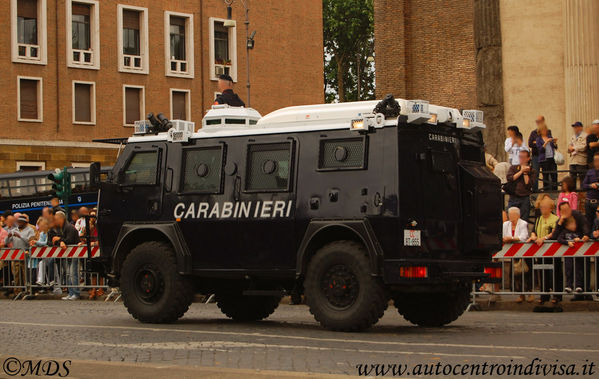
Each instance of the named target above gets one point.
<point>413,272</point>
<point>494,272</point>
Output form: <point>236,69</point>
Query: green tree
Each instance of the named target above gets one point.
<point>348,42</point>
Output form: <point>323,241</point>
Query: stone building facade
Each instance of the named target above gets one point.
<point>79,70</point>
<point>513,59</point>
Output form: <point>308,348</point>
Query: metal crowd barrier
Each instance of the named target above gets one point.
<point>62,268</point>
<point>551,268</point>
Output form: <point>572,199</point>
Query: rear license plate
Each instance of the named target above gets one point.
<point>411,238</point>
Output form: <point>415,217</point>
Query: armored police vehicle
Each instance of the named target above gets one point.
<point>349,204</point>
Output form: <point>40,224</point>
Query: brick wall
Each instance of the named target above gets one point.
<point>286,68</point>
<point>425,50</point>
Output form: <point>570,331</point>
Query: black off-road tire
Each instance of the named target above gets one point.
<point>246,308</point>
<point>163,299</point>
<point>433,310</point>
<point>340,290</point>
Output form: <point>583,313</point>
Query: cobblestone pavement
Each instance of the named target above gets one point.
<point>290,340</point>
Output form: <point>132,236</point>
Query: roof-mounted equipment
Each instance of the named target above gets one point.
<point>389,107</point>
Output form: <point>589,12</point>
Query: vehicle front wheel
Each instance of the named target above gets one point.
<point>435,309</point>
<point>152,288</point>
<point>340,290</point>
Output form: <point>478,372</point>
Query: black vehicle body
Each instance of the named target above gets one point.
<point>427,178</point>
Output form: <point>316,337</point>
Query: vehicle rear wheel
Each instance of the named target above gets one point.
<point>246,308</point>
<point>433,309</point>
<point>340,290</point>
<point>152,288</point>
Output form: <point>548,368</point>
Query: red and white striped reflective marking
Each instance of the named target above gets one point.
<point>548,249</point>
<point>69,252</point>
<point>12,254</point>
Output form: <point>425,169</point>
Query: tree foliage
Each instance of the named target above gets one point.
<point>348,42</point>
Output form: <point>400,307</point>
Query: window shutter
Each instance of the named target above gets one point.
<point>83,102</point>
<point>130,19</point>
<point>81,9</point>
<point>27,8</point>
<point>132,105</point>
<point>28,100</point>
<point>179,105</point>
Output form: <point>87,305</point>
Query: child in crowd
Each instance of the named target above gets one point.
<point>568,194</point>
<point>569,236</point>
<point>514,149</point>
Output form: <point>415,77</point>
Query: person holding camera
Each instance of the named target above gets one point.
<point>520,180</point>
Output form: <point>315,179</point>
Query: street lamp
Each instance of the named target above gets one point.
<point>249,38</point>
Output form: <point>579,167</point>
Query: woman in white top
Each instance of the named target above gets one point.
<point>514,229</point>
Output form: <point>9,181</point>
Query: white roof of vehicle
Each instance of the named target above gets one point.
<point>303,118</point>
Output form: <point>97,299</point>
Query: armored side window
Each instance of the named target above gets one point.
<point>342,154</point>
<point>268,167</point>
<point>202,170</point>
<point>142,169</point>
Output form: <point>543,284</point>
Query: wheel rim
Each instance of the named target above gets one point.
<point>340,286</point>
<point>149,284</point>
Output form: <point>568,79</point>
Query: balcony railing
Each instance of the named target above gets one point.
<point>179,66</point>
<point>84,57</point>
<point>132,62</point>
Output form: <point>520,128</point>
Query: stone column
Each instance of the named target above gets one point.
<point>581,60</point>
<point>489,84</point>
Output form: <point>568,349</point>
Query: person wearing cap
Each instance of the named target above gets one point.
<point>593,143</point>
<point>227,96</point>
<point>18,238</point>
<point>578,154</point>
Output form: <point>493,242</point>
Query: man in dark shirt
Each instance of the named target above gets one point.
<point>593,143</point>
<point>64,234</point>
<point>524,177</point>
<point>532,144</point>
<point>591,185</point>
<point>227,96</point>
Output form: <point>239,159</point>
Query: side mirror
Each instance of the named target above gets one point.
<point>94,175</point>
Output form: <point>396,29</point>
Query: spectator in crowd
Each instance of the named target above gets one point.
<point>515,229</point>
<point>523,175</point>
<point>80,223</point>
<point>74,216</point>
<point>42,240</point>
<point>490,160</point>
<point>537,204</point>
<point>94,293</point>
<point>532,144</point>
<point>568,193</point>
<point>593,143</point>
<point>9,222</point>
<point>543,230</point>
<point>509,141</point>
<point>18,238</point>
<point>591,185</point>
<point>582,225</point>
<point>62,235</point>
<point>546,146</point>
<point>514,145</point>
<point>570,234</point>
<point>578,154</point>
<point>55,204</point>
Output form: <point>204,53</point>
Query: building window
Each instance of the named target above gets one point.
<point>179,44</point>
<point>31,166</point>
<point>84,103</point>
<point>30,99</point>
<point>180,104</point>
<point>133,104</point>
<point>29,31</point>
<point>83,37</point>
<point>223,51</point>
<point>133,39</point>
